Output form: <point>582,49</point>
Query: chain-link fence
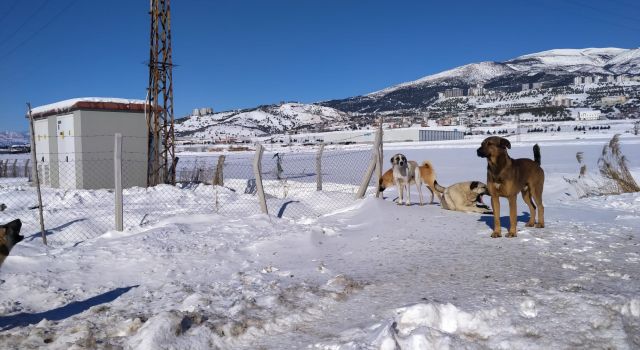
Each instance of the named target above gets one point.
<point>78,197</point>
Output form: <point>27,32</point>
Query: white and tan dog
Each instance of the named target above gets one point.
<point>404,174</point>
<point>424,174</point>
<point>464,196</point>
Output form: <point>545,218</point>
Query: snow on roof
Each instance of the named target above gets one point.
<point>96,102</point>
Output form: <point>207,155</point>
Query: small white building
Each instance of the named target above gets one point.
<point>588,115</point>
<point>75,142</point>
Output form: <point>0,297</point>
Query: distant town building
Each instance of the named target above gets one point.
<point>536,86</point>
<point>613,100</point>
<point>610,78</point>
<point>478,90</point>
<point>588,115</point>
<point>577,80</point>
<point>561,101</point>
<point>525,87</point>
<point>587,80</point>
<point>202,111</point>
<point>455,92</point>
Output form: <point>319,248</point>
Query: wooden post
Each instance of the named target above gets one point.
<point>26,168</point>
<point>36,176</point>
<point>319,168</point>
<point>14,168</point>
<point>257,171</point>
<point>117,177</point>
<point>379,140</point>
<point>5,167</point>
<point>375,158</point>
<point>218,176</point>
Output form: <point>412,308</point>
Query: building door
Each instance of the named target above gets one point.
<point>66,151</point>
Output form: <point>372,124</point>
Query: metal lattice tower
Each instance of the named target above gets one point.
<point>162,160</point>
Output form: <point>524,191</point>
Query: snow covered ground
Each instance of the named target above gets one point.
<point>372,275</point>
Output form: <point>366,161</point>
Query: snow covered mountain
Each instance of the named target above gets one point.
<point>263,120</point>
<point>9,138</point>
<point>553,68</point>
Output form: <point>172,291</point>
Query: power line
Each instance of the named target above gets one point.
<point>27,20</point>
<point>43,27</point>
<point>601,10</point>
<point>8,11</point>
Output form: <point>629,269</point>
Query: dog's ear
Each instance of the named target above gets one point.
<point>392,160</point>
<point>473,185</point>
<point>504,143</point>
<point>15,225</point>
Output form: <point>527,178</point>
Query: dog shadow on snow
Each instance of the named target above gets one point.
<point>25,319</point>
<point>504,220</point>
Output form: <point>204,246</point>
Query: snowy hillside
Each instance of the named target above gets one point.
<point>552,68</point>
<point>259,121</point>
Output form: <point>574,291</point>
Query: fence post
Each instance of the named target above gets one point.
<point>5,167</point>
<point>380,151</point>
<point>36,175</point>
<point>14,169</point>
<point>319,168</point>
<point>26,168</point>
<point>218,176</point>
<point>375,158</point>
<point>257,171</point>
<point>117,177</point>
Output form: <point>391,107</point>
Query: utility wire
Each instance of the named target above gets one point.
<point>8,11</point>
<point>601,10</point>
<point>43,27</point>
<point>27,20</point>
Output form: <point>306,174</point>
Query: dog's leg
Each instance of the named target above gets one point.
<point>495,205</point>
<point>526,196</point>
<point>400,189</point>
<point>419,186</point>
<point>408,201</point>
<point>537,196</point>
<point>513,216</point>
<point>430,190</point>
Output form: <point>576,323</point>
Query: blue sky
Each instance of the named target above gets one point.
<point>242,53</point>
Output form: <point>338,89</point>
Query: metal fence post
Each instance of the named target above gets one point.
<point>117,176</point>
<point>257,171</point>
<point>36,176</point>
<point>218,176</point>
<point>14,170</point>
<point>319,168</point>
<point>372,166</point>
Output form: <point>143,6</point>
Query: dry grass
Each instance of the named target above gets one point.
<point>613,166</point>
<point>614,177</point>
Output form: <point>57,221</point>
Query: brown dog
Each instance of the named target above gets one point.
<point>9,237</point>
<point>427,176</point>
<point>507,176</point>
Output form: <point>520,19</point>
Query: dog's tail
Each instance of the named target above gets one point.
<point>438,187</point>
<point>427,164</point>
<point>536,153</point>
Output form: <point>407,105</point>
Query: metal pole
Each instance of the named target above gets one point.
<point>257,171</point>
<point>117,176</point>
<point>319,168</point>
<point>36,176</point>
